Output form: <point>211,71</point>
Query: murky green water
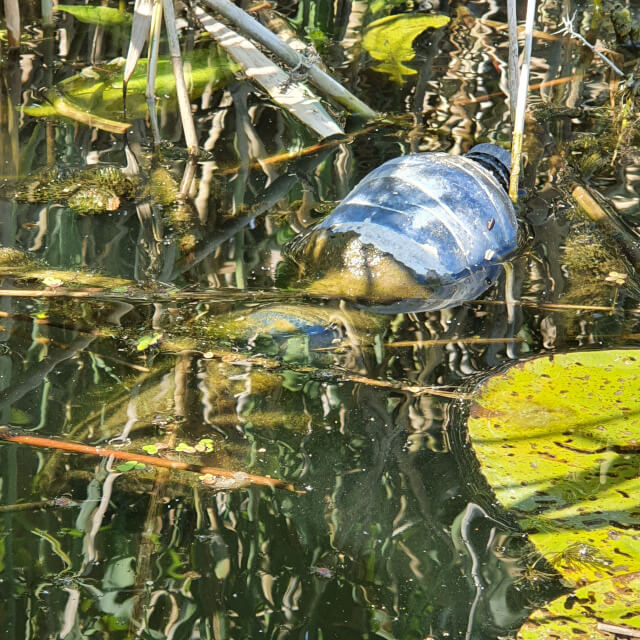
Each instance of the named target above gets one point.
<point>388,531</point>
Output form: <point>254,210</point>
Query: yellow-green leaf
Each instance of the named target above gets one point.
<point>558,440</point>
<point>104,16</point>
<point>94,96</point>
<point>390,40</point>
<point>586,613</point>
<point>148,341</point>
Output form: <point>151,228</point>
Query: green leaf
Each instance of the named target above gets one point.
<point>205,445</point>
<point>19,417</point>
<point>131,464</point>
<point>94,96</point>
<point>558,440</point>
<point>576,616</point>
<point>104,16</point>
<point>151,449</point>
<point>390,40</point>
<point>148,341</point>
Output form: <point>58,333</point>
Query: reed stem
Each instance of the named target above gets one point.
<point>521,106</point>
<point>184,103</point>
<point>12,19</point>
<point>321,80</point>
<point>512,20</point>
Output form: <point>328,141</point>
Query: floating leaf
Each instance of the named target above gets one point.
<point>52,282</point>
<point>94,96</point>
<point>577,616</point>
<point>185,448</point>
<point>19,417</point>
<point>104,16</point>
<point>205,445</point>
<point>558,440</point>
<point>390,40</point>
<point>131,464</point>
<point>148,341</point>
<point>151,449</point>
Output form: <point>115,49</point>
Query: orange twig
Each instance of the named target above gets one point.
<point>103,452</point>
<point>532,87</point>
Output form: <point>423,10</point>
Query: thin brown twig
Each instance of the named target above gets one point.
<point>246,359</point>
<point>555,306</point>
<point>103,452</point>
<point>429,343</point>
<point>287,156</point>
<point>417,389</point>
<point>532,87</point>
<point>56,503</point>
<point>452,340</point>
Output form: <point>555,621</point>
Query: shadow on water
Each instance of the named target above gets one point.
<point>386,535</point>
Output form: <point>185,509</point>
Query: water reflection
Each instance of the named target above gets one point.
<point>391,533</point>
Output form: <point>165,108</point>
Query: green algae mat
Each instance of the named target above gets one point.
<point>558,441</point>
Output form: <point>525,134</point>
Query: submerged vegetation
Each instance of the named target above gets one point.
<point>206,431</point>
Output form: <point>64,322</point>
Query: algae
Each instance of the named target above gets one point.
<point>87,191</point>
<point>17,264</point>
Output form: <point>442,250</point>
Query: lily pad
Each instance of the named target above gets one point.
<point>558,440</point>
<point>390,40</point>
<point>587,613</point>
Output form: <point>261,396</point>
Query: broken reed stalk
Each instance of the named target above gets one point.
<point>618,630</point>
<point>253,29</point>
<point>184,103</point>
<point>513,72</point>
<point>63,445</point>
<point>295,97</point>
<point>139,33</point>
<point>12,19</point>
<point>521,105</point>
<point>624,235</point>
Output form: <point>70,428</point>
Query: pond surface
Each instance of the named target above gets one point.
<point>386,530</point>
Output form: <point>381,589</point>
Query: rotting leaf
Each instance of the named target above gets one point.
<point>576,616</point>
<point>558,440</point>
<point>390,40</point>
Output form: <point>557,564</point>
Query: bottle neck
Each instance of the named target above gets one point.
<point>494,159</point>
<point>494,166</point>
